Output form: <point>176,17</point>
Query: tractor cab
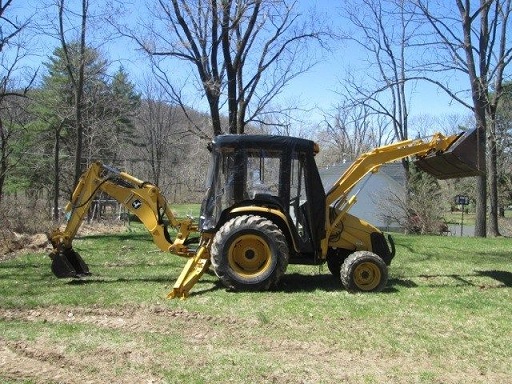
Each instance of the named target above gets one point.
<point>275,177</point>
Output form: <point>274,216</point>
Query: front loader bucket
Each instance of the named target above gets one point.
<point>461,159</point>
<point>68,263</point>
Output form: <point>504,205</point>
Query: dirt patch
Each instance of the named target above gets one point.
<point>43,364</point>
<point>46,360</point>
<point>13,244</point>
<point>85,357</point>
<point>137,318</point>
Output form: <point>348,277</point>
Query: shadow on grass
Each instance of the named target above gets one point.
<point>197,290</point>
<point>295,282</point>
<point>404,283</point>
<point>110,280</point>
<point>290,283</point>
<point>307,283</point>
<point>503,277</point>
<point>138,236</point>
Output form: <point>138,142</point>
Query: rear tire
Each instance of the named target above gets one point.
<point>249,253</point>
<point>364,271</point>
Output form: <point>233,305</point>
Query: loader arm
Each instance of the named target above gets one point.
<point>141,198</point>
<point>459,147</point>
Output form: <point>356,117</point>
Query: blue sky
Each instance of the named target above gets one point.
<point>321,83</point>
<point>316,89</point>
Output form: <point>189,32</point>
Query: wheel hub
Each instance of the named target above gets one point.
<point>367,276</point>
<point>249,255</point>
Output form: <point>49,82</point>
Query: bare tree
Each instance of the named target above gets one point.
<point>166,151</point>
<point>76,76</point>
<point>420,213</point>
<point>352,130</point>
<point>481,52</point>
<point>158,129</point>
<point>385,30</point>
<point>244,52</point>
<point>13,50</point>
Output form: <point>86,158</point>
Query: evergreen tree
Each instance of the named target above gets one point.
<point>107,109</point>
<point>121,111</point>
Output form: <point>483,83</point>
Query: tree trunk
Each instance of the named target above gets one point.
<point>492,168</point>
<point>213,102</point>
<point>56,185</point>
<point>79,91</point>
<point>3,159</point>
<point>79,136</point>
<point>230,70</point>
<point>481,184</point>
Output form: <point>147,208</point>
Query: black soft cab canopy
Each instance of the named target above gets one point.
<point>278,170</point>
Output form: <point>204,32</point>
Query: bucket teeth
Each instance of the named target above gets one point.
<point>68,263</point>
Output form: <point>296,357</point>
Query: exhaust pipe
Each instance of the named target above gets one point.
<point>461,159</point>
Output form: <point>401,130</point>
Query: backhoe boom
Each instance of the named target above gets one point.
<point>140,198</point>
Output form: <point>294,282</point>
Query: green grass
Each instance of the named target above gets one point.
<point>457,218</point>
<point>443,318</point>
<point>184,210</point>
<point>469,218</point>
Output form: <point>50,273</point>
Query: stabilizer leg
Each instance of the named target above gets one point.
<point>191,273</point>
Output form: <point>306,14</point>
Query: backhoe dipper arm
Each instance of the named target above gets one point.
<point>140,198</point>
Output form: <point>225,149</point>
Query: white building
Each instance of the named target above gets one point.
<point>373,192</point>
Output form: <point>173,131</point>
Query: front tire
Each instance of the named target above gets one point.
<point>249,253</point>
<point>364,271</point>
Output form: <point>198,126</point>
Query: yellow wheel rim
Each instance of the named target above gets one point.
<point>367,276</point>
<point>249,255</point>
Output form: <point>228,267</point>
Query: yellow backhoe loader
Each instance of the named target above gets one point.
<point>265,207</point>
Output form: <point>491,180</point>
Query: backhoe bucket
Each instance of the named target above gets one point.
<point>461,159</point>
<point>68,263</point>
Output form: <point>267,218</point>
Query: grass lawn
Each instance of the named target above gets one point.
<point>445,317</point>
